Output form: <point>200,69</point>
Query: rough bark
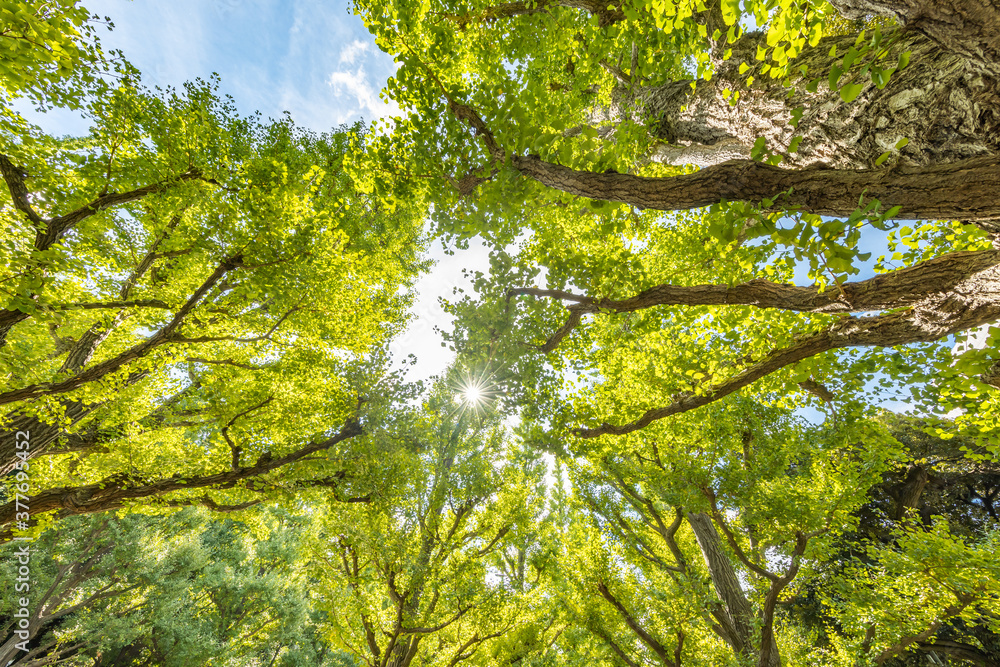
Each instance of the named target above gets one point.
<point>945,102</point>
<point>963,190</point>
<point>42,434</point>
<point>908,494</point>
<point>897,289</point>
<point>948,109</point>
<point>947,112</point>
<point>965,27</point>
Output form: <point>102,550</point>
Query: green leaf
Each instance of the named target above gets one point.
<point>850,57</point>
<point>851,91</point>
<point>796,116</point>
<point>834,77</point>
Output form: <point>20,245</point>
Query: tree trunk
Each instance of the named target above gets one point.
<point>41,435</point>
<point>44,434</point>
<point>727,587</point>
<point>946,111</point>
<point>965,27</point>
<point>908,493</point>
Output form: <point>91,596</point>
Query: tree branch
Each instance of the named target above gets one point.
<point>137,303</point>
<point>769,648</point>
<point>964,600</point>
<point>108,366</point>
<point>607,13</point>
<point>971,303</point>
<point>55,228</point>
<point>112,492</point>
<point>234,339</point>
<point>235,449</point>
<point>896,289</point>
<point>957,190</point>
<point>731,539</point>
<point>14,176</point>
<point>630,621</point>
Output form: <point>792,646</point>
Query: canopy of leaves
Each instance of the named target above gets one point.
<point>676,454</point>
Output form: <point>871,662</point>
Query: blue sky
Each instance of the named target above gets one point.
<point>312,58</point>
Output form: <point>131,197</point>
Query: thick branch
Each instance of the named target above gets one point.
<point>136,303</point>
<point>607,13</point>
<point>57,227</point>
<point>904,643</point>
<point>908,494</point>
<point>647,639</point>
<point>961,190</point>
<point>971,303</point>
<point>735,545</point>
<point>896,289</point>
<point>112,492</point>
<point>768,645</point>
<point>14,176</point>
<point>959,651</point>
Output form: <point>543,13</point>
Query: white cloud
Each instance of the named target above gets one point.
<point>366,98</point>
<point>349,54</point>
<point>357,85</point>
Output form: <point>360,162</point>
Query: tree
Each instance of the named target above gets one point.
<point>170,591</point>
<point>179,284</point>
<point>648,312</point>
<point>411,578</point>
<point>737,541</point>
<point>524,140</point>
<point>638,316</point>
<point>900,532</point>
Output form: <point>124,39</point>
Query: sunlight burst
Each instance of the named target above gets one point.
<point>473,394</point>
